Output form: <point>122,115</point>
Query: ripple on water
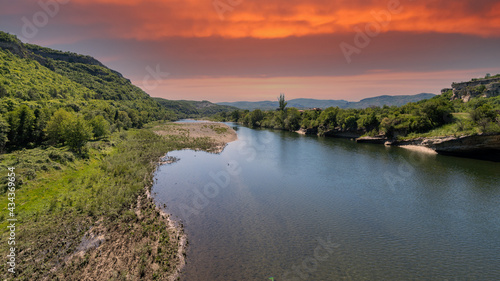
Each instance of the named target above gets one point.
<point>439,221</point>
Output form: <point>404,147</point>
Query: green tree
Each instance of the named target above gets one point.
<point>256,117</point>
<point>77,132</point>
<point>484,116</point>
<point>293,119</point>
<point>350,123</point>
<point>282,103</point>
<point>235,115</point>
<point>369,122</point>
<point>22,124</point>
<point>328,118</point>
<point>100,127</point>
<point>134,118</point>
<point>310,119</point>
<point>279,120</point>
<point>3,91</point>
<point>419,124</point>
<point>387,125</point>
<point>55,127</point>
<point>347,119</point>
<point>484,111</point>
<point>223,115</point>
<point>123,120</point>
<point>4,132</point>
<point>438,111</point>
<point>41,119</point>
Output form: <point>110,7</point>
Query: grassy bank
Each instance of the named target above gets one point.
<point>67,205</point>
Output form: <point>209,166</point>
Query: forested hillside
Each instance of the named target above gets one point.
<point>52,97</point>
<point>188,108</point>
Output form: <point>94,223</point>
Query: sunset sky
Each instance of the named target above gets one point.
<point>232,50</point>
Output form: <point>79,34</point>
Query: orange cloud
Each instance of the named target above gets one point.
<point>155,19</point>
<point>351,88</point>
<point>266,47</point>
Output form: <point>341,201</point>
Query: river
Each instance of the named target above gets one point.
<point>277,205</point>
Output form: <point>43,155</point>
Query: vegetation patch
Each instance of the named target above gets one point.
<point>94,196</point>
<point>206,136</point>
<point>438,116</point>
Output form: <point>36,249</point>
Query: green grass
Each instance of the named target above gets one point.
<point>79,192</point>
<point>462,126</point>
<point>30,162</point>
<point>218,129</point>
<point>446,130</point>
<point>461,116</point>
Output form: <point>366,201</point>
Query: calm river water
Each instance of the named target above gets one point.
<point>276,205</point>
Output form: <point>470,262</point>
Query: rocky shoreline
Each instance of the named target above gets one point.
<point>481,146</point>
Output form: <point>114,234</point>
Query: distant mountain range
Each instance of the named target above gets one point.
<point>312,103</point>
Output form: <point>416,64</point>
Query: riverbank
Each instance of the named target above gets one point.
<point>420,149</point>
<point>90,217</point>
<point>479,146</point>
<point>483,146</point>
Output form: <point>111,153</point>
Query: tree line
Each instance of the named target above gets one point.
<point>31,124</point>
<point>479,115</point>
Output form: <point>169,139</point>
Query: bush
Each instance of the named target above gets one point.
<point>100,127</point>
<point>77,132</point>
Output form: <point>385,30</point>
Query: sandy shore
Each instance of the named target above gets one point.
<point>419,148</point>
<point>219,134</point>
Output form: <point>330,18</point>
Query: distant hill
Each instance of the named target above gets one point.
<point>297,103</point>
<point>49,79</point>
<point>312,103</point>
<point>389,100</point>
<point>264,105</point>
<point>188,108</point>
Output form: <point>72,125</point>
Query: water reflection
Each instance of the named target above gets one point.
<point>396,215</point>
